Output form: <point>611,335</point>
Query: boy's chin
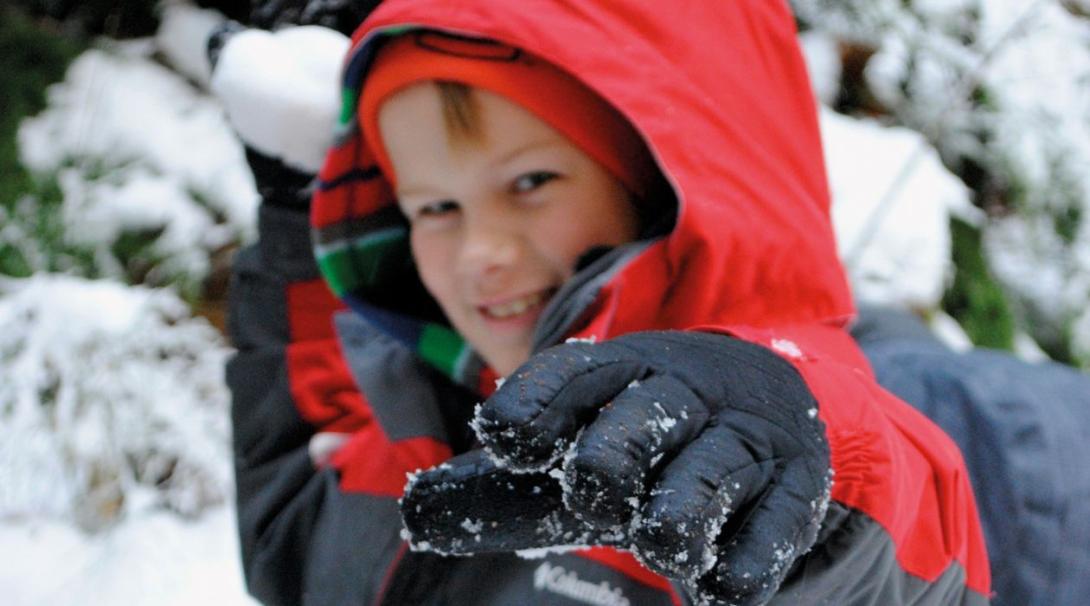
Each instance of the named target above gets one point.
<point>505,360</point>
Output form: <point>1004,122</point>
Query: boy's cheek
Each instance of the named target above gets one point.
<point>433,255</point>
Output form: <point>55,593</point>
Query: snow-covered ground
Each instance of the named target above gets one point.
<point>115,466</point>
<point>113,401</point>
<point>154,558</point>
<point>115,482</point>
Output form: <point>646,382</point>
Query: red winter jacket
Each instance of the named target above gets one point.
<point>720,94</point>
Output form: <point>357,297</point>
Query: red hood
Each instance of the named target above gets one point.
<point>723,100</point>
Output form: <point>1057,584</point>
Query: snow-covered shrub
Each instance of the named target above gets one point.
<point>182,38</point>
<point>1000,88</point>
<point>112,401</point>
<point>148,177</point>
<point>892,204</point>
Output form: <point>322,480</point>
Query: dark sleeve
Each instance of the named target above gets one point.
<point>303,539</point>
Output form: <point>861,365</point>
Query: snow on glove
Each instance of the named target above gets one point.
<point>704,451</point>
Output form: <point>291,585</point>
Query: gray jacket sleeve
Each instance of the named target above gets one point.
<point>301,536</point>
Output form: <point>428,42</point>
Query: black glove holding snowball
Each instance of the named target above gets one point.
<point>281,93</point>
<point>699,452</point>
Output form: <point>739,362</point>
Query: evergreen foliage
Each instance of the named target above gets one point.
<point>975,299</point>
<point>35,56</point>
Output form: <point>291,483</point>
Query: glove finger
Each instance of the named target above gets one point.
<point>607,471</point>
<point>754,559</point>
<point>697,495</point>
<point>534,416</point>
<point>469,505</point>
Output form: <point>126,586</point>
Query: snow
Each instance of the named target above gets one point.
<point>282,90</point>
<point>1045,139</point>
<point>115,458</point>
<point>121,114</point>
<point>183,35</point>
<point>472,526</point>
<point>823,64</point>
<point>155,558</point>
<point>116,393</point>
<point>892,202</point>
<point>1000,83</point>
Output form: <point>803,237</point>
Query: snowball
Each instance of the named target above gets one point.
<point>282,90</point>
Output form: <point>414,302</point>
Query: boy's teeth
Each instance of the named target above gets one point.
<point>514,308</point>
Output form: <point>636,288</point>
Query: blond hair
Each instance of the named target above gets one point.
<point>461,116</point>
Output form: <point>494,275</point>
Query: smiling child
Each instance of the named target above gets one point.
<point>622,211</point>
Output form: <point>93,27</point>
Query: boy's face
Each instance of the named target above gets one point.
<point>498,220</point>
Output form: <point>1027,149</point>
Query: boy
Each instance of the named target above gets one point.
<point>530,223</point>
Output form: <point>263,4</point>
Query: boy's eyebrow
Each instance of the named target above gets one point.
<point>416,190</point>
<point>526,147</point>
<point>413,189</point>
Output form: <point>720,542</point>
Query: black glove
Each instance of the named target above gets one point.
<point>700,453</point>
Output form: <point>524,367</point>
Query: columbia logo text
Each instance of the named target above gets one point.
<point>558,580</point>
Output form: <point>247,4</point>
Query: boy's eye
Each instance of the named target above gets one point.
<point>437,209</point>
<point>532,180</point>
<point>433,211</point>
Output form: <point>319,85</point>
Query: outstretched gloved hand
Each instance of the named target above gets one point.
<point>701,453</point>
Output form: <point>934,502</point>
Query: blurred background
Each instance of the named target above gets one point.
<point>957,140</point>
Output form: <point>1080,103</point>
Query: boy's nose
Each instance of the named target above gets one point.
<point>488,249</point>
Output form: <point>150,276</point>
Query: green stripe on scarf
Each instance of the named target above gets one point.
<point>348,105</point>
<point>348,267</point>
<point>441,347</point>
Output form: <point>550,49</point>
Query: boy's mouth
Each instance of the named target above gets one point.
<point>517,307</point>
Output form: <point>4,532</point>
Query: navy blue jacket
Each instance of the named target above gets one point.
<point>1024,430</point>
